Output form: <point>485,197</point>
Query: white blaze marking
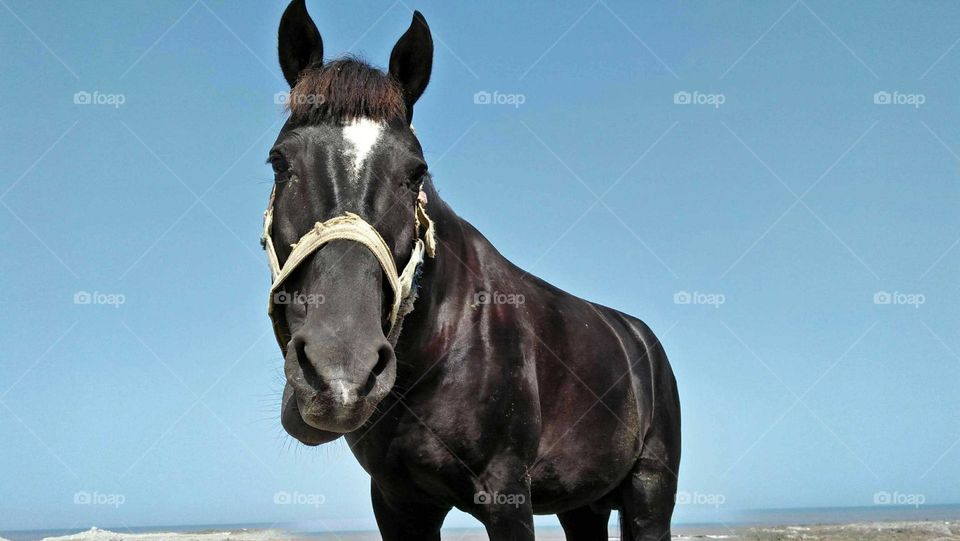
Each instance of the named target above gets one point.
<point>361,135</point>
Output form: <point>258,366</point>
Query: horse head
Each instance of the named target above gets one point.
<point>346,161</point>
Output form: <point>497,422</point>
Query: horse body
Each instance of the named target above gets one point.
<point>546,395</point>
<point>499,394</point>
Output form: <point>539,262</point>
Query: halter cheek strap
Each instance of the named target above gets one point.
<point>351,227</point>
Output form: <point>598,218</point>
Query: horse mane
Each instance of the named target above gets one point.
<point>343,90</point>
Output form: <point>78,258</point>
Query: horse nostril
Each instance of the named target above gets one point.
<point>384,355</point>
<point>307,368</point>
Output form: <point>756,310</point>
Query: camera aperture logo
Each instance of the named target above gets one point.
<point>896,97</point>
<point>898,498</point>
<point>696,97</point>
<point>496,97</point>
<point>92,497</point>
<point>297,297</point>
<point>298,498</point>
<point>286,99</point>
<point>98,298</point>
<point>99,98</point>
<point>700,498</point>
<point>899,298</point>
<point>499,498</point>
<point>696,297</point>
<point>482,298</point>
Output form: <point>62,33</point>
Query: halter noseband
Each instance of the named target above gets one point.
<point>349,226</point>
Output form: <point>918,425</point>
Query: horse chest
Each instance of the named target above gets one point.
<point>408,458</point>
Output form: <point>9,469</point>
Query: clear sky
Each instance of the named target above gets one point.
<point>779,202</point>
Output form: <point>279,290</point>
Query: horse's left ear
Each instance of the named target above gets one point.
<point>412,60</point>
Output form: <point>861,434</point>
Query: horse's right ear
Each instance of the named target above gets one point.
<point>299,42</point>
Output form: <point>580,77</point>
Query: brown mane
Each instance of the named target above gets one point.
<point>343,90</point>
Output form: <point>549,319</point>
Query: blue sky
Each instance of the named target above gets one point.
<point>811,224</point>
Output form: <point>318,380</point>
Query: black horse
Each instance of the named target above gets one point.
<point>500,395</point>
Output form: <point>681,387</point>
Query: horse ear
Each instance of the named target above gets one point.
<point>299,43</point>
<point>412,60</point>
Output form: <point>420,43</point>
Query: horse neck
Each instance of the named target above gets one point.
<point>447,284</point>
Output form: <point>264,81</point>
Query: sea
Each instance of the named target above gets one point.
<point>744,518</point>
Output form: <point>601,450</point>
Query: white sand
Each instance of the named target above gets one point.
<point>96,534</point>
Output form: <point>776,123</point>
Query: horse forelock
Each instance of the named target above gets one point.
<point>345,90</point>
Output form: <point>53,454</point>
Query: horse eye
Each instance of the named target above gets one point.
<point>415,178</point>
<point>279,164</point>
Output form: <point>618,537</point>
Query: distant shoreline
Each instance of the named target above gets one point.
<point>940,521</point>
<point>866,531</point>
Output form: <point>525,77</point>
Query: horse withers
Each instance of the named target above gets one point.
<point>457,379</point>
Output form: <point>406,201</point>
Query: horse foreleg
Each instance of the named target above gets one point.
<point>585,524</point>
<point>405,520</point>
<point>502,504</point>
<point>505,522</point>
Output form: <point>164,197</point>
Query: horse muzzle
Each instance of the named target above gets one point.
<point>333,392</point>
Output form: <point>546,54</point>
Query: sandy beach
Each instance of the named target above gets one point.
<point>865,531</point>
<point>96,534</point>
<point>860,531</point>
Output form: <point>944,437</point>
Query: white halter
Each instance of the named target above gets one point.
<point>352,227</point>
